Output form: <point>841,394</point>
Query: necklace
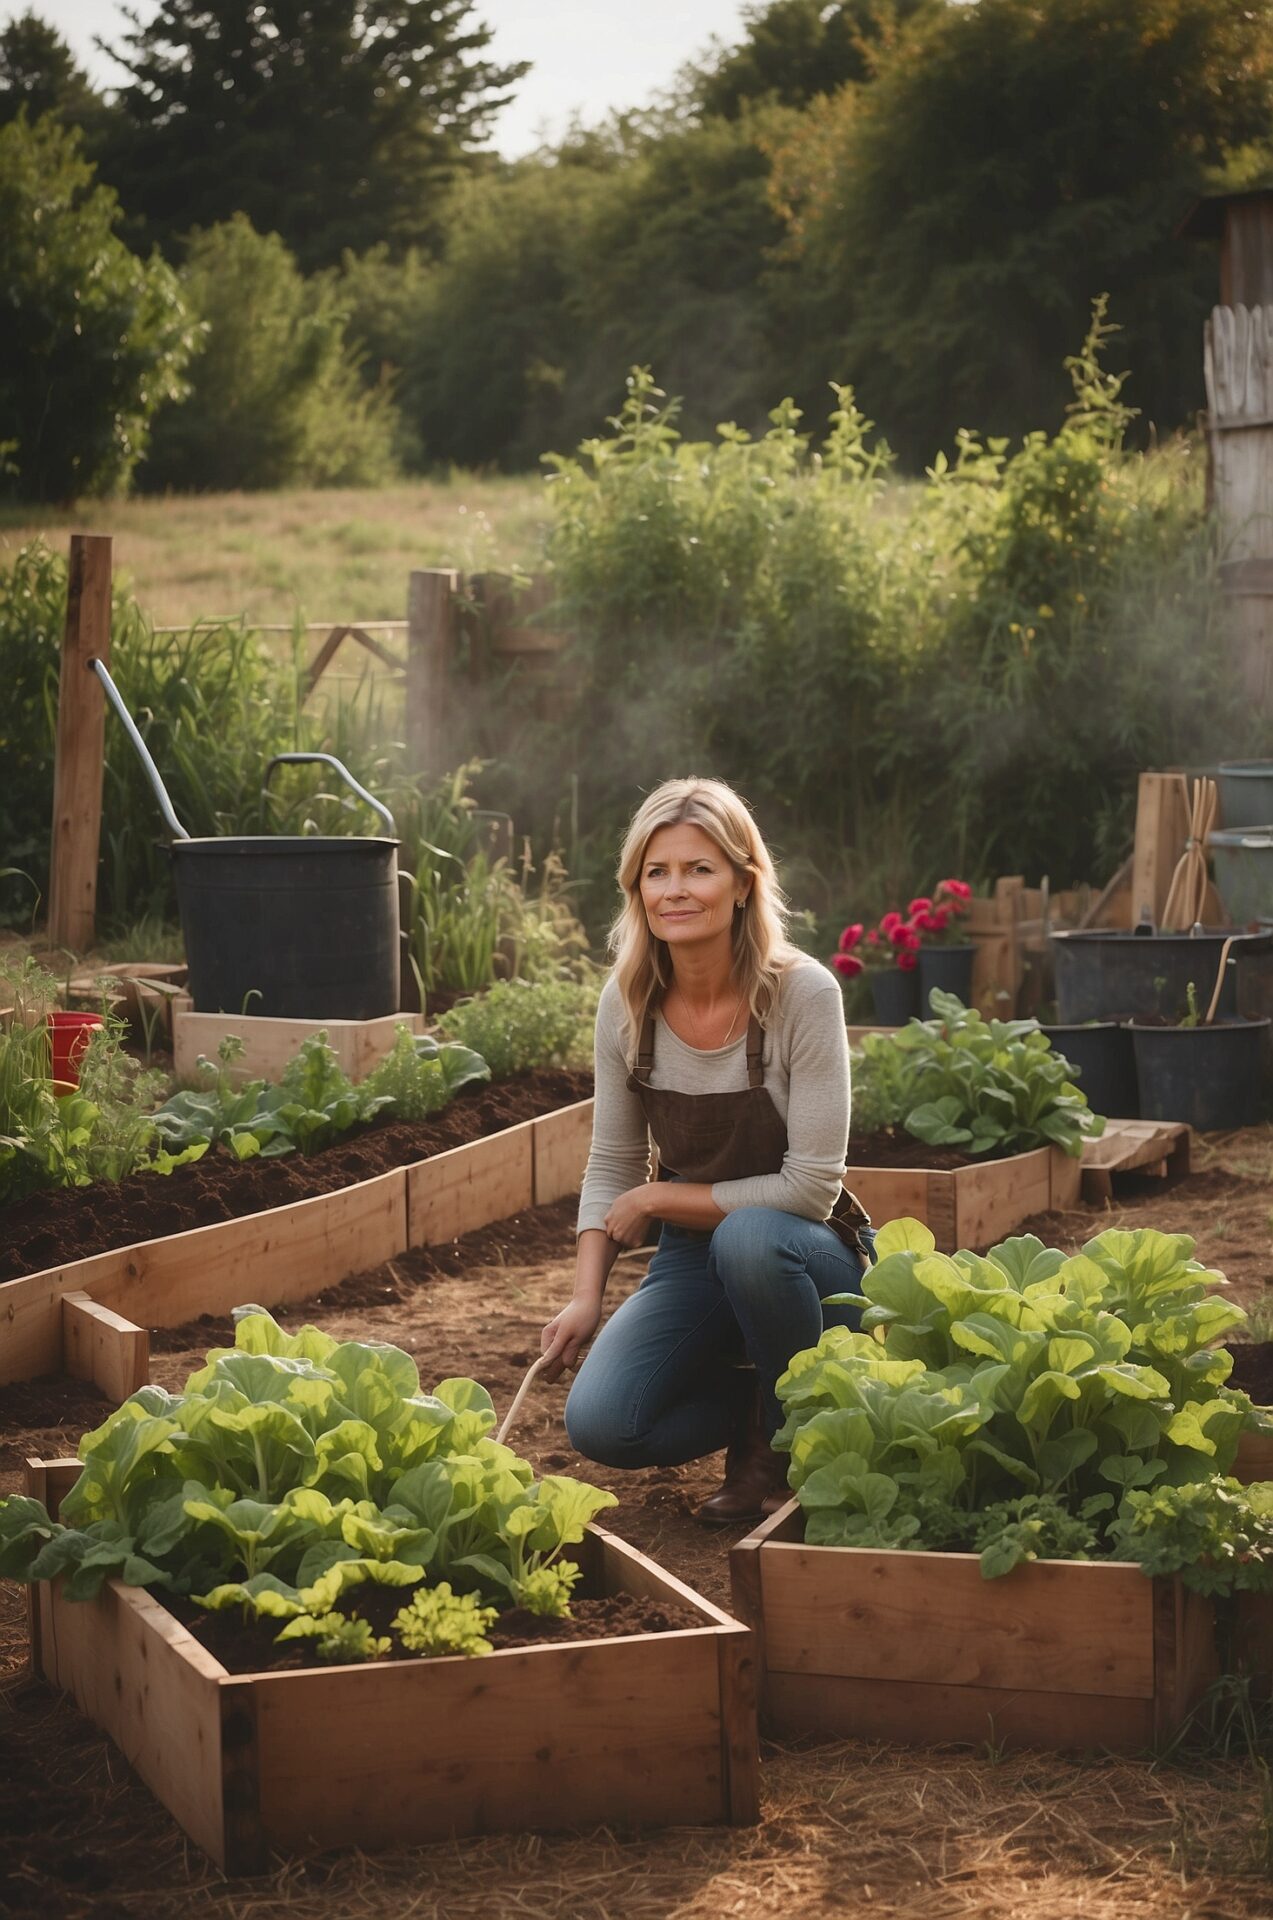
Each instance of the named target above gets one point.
<point>694,1026</point>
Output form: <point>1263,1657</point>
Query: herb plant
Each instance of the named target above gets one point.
<point>1023,1403</point>
<point>520,1024</point>
<point>984,1086</point>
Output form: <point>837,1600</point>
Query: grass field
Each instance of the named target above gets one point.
<point>321,556</point>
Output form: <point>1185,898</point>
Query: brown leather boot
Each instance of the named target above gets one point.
<point>755,1482</point>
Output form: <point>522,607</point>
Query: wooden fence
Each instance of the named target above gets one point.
<point>1238,365</point>
<point>459,634</point>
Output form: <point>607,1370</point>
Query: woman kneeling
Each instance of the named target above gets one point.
<point>725,1044</point>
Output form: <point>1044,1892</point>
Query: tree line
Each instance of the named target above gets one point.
<point>282,252</point>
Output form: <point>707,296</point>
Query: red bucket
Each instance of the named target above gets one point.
<point>68,1037</point>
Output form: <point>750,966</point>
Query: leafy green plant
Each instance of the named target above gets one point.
<point>436,1621</point>
<point>519,1024</point>
<point>1215,1533</point>
<point>295,1468</point>
<point>986,1086</point>
<point>419,1075</point>
<point>1081,1382</point>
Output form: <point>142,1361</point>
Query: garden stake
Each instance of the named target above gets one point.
<point>520,1395</point>
<point>1189,882</point>
<point>1215,997</point>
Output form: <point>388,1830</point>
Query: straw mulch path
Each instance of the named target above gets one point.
<point>922,1834</point>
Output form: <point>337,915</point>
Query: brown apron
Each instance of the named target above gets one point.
<point>705,1137</point>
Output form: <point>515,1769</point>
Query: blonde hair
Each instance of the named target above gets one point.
<point>761,949</point>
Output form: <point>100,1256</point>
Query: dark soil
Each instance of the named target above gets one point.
<point>891,1147</point>
<point>52,1229</point>
<point>250,1646</point>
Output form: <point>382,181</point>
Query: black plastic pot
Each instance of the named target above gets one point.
<point>1134,976</point>
<point>949,968</point>
<point>291,927</point>
<point>895,995</point>
<point>1104,1061</point>
<point>1207,1076</point>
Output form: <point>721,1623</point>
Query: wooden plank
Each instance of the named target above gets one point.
<point>560,1144</point>
<point>1065,1176</point>
<point>285,1254</point>
<point>136,1672</point>
<point>992,1199</point>
<point>621,1568</point>
<point>1053,1627</point>
<point>1162,827</point>
<point>470,1186</point>
<point>551,1737</point>
<point>916,1713</point>
<point>80,750</point>
<point>1185,1661</point>
<point>431,596</point>
<point>890,1193</point>
<point>269,1044</point>
<point>100,1345</point>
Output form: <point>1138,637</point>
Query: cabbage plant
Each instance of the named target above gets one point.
<point>295,1468</point>
<point>999,1401</point>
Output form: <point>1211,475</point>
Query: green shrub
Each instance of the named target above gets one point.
<point>276,398</point>
<point>519,1025</point>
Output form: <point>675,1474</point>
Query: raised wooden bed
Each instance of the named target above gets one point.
<point>103,1347</point>
<point>654,1729</point>
<point>919,1648</point>
<point>289,1253</point>
<point>972,1206</point>
<point>269,1044</point>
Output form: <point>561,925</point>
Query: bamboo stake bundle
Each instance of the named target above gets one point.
<point>1188,887</point>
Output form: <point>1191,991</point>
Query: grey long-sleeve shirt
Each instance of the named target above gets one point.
<point>806,1060</point>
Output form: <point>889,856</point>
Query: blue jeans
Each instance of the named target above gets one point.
<point>662,1382</point>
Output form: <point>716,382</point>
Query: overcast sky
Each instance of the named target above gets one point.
<point>589,55</point>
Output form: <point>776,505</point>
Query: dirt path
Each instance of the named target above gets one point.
<point>926,1832</point>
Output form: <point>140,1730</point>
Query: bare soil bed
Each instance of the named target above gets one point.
<point>921,1834</point>
<point>49,1229</point>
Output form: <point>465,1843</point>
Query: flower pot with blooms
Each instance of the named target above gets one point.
<point>945,954</point>
<point>889,953</point>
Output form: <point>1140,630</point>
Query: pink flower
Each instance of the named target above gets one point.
<point>850,937</point>
<point>920,904</point>
<point>938,920</point>
<point>901,935</point>
<point>958,890</point>
<point>926,922</point>
<point>873,937</point>
<point>846,963</point>
<point>908,961</point>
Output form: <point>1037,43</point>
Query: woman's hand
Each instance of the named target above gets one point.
<point>567,1334</point>
<point>628,1221</point>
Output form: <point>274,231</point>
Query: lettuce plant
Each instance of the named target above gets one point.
<point>292,1470</point>
<point>984,1086</point>
<point>1078,1384</point>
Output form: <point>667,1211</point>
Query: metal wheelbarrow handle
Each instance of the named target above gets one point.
<point>330,760</point>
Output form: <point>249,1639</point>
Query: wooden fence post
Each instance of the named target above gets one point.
<point>430,644</point>
<point>81,733</point>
